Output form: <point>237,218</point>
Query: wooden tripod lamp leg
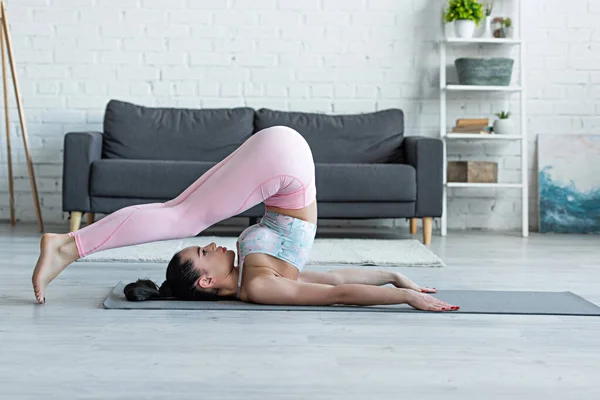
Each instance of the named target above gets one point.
<point>13,69</point>
<point>6,118</point>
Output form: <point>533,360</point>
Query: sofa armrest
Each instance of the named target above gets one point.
<point>81,149</point>
<point>426,155</point>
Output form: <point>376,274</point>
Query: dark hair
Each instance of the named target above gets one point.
<point>180,284</point>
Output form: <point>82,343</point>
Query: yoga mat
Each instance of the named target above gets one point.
<point>470,302</point>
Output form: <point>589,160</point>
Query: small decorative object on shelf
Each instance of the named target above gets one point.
<point>472,125</point>
<point>503,27</point>
<point>487,32</point>
<point>465,15</point>
<point>503,125</point>
<point>486,72</point>
<point>473,171</point>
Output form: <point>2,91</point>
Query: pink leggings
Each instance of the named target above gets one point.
<point>274,166</point>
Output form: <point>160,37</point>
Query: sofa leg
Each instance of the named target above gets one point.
<point>413,226</point>
<point>75,220</point>
<point>90,218</point>
<point>427,229</point>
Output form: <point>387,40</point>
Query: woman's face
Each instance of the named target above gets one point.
<point>214,263</point>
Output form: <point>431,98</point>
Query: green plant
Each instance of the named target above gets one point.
<point>503,114</point>
<point>507,22</point>
<point>464,9</point>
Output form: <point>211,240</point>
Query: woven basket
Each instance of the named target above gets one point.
<point>479,71</point>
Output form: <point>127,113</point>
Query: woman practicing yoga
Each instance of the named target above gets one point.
<point>274,166</point>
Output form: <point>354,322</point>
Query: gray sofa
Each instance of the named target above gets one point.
<point>365,166</point>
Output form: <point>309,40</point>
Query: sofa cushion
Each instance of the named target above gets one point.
<point>144,179</point>
<point>145,133</point>
<point>365,182</point>
<point>335,182</point>
<point>354,138</point>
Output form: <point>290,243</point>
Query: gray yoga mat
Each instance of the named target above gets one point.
<point>470,302</point>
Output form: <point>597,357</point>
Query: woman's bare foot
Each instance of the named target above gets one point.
<point>56,252</point>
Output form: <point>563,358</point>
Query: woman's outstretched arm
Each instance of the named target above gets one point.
<point>268,289</point>
<point>363,277</point>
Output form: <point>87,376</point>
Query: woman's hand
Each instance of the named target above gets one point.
<point>425,302</point>
<point>403,282</point>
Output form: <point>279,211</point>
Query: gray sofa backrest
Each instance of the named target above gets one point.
<point>369,138</point>
<point>146,133</point>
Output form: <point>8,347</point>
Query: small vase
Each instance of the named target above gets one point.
<point>503,127</point>
<point>464,28</point>
<point>487,32</point>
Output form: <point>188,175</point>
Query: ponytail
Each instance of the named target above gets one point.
<point>145,289</point>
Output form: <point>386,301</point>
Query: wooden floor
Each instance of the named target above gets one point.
<point>73,348</point>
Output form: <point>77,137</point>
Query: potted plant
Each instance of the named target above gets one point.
<point>503,125</point>
<point>465,15</point>
<point>507,27</point>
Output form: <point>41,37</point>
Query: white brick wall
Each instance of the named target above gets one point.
<point>334,56</point>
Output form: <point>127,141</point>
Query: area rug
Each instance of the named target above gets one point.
<point>470,302</point>
<point>367,252</point>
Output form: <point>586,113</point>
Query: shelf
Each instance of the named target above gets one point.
<point>484,185</point>
<point>483,41</point>
<point>452,89</point>
<point>474,88</point>
<point>481,136</point>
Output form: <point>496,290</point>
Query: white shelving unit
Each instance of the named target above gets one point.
<point>518,136</point>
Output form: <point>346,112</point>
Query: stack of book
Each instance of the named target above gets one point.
<point>472,125</point>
